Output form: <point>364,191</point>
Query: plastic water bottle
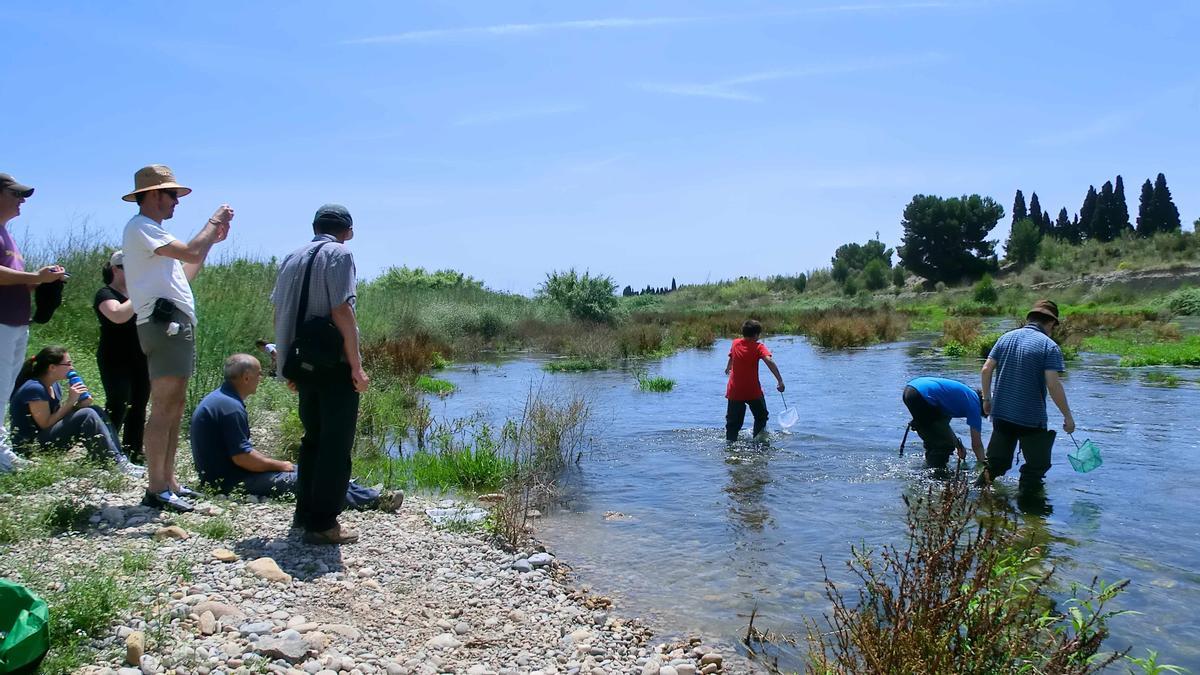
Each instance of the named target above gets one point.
<point>73,379</point>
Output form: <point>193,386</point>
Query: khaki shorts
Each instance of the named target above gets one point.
<point>169,355</point>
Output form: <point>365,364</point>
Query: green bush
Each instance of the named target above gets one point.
<point>1185,301</point>
<point>655,384</point>
<point>985,291</point>
<point>585,297</point>
<point>898,276</point>
<point>875,275</point>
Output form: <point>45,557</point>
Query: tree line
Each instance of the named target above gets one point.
<point>628,291</point>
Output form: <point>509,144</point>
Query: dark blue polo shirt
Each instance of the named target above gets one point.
<point>220,430</point>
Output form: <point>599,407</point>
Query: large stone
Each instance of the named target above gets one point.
<point>256,627</point>
<point>208,623</point>
<point>317,640</point>
<point>170,532</point>
<point>224,555</point>
<point>268,569</point>
<point>135,648</point>
<point>219,610</point>
<point>349,632</point>
<point>292,651</point>
<point>711,657</point>
<point>668,670</point>
<point>685,669</point>
<point>540,559</point>
<point>522,565</point>
<point>443,641</point>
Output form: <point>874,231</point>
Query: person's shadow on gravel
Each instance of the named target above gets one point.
<point>303,561</point>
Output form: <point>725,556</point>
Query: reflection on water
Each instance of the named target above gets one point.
<point>715,530</point>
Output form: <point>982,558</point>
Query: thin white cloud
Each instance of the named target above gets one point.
<point>733,88</point>
<point>623,23</point>
<point>514,115</point>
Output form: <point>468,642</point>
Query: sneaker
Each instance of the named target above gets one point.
<point>167,500</point>
<point>334,535</point>
<point>390,502</point>
<point>130,469</point>
<point>187,493</point>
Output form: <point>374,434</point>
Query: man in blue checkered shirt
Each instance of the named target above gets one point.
<point>1026,364</point>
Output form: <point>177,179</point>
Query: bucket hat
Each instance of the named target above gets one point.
<point>154,177</point>
<point>7,182</point>
<point>1043,309</point>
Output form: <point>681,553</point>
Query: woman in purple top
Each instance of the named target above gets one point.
<point>41,419</point>
<point>123,370</point>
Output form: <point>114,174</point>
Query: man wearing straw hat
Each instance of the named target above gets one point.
<point>1026,364</point>
<point>15,304</point>
<point>158,272</point>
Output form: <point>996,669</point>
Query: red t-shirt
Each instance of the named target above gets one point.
<point>743,376</point>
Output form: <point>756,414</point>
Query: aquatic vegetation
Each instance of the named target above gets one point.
<point>838,330</point>
<point>576,365</point>
<point>435,386</point>
<point>965,595</point>
<point>1138,350</point>
<point>1185,301</point>
<point>1163,379</point>
<point>655,384</point>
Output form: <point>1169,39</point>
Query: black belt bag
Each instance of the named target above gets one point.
<point>317,348</point>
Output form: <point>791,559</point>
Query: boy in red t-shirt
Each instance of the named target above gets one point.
<point>743,388</point>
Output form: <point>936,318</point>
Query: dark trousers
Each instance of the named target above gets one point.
<point>87,426</point>
<point>1035,444</point>
<point>275,483</point>
<point>735,415</point>
<point>329,413</point>
<point>933,426</point>
<point>126,395</point>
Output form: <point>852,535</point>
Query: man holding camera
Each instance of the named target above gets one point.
<point>158,272</point>
<point>317,336</point>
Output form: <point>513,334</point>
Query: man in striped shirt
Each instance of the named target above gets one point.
<point>1026,364</point>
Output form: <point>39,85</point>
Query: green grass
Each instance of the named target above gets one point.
<point>1136,350</point>
<point>213,527</point>
<point>1159,378</point>
<point>435,386</point>
<point>136,561</point>
<point>46,470</point>
<point>655,384</point>
<point>576,365</point>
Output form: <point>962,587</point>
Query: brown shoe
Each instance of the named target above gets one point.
<point>390,502</point>
<point>334,535</point>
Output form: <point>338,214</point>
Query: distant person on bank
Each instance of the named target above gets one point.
<point>158,270</point>
<point>123,370</point>
<point>933,402</point>
<point>224,454</point>
<point>1025,364</point>
<point>272,351</point>
<point>743,388</point>
<point>42,420</point>
<point>16,305</point>
<point>328,407</point>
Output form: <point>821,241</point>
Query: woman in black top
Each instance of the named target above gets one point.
<point>123,370</point>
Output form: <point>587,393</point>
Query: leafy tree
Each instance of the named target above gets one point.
<point>1023,242</point>
<point>1166,215</point>
<point>841,270</point>
<point>985,290</point>
<point>856,256</point>
<point>1120,208</point>
<point>945,239</point>
<point>1146,224</point>
<point>851,287</point>
<point>584,297</point>
<point>1019,211</point>
<point>628,292</point>
<point>1086,212</point>
<point>1035,213</point>
<point>898,276</point>
<point>875,275</point>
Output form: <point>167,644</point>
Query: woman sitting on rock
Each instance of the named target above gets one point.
<point>41,419</point>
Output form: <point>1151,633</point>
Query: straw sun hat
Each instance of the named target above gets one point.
<point>155,177</point>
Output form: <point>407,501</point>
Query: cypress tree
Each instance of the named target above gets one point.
<point>1103,223</point>
<point>1019,212</point>
<point>1120,209</point>
<point>1146,224</point>
<point>1035,212</point>
<point>1086,212</point>
<point>1062,226</point>
<point>1047,223</point>
<point>672,283</point>
<point>1164,207</point>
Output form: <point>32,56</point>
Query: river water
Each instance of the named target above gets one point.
<point>711,531</point>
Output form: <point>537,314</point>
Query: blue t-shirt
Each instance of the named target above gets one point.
<point>1019,390</point>
<point>25,430</point>
<point>220,430</point>
<point>952,397</point>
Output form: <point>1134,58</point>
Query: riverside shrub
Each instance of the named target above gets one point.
<point>585,297</point>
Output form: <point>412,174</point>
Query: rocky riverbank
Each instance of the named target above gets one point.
<point>237,591</point>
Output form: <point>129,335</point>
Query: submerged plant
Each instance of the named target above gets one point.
<point>655,384</point>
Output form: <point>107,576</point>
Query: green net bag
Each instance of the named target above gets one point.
<point>1085,457</point>
<point>24,629</point>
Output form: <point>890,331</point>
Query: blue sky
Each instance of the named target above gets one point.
<point>697,140</point>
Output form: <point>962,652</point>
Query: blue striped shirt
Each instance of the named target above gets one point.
<point>1019,389</point>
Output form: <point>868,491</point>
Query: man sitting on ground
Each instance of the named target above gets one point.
<point>226,459</point>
